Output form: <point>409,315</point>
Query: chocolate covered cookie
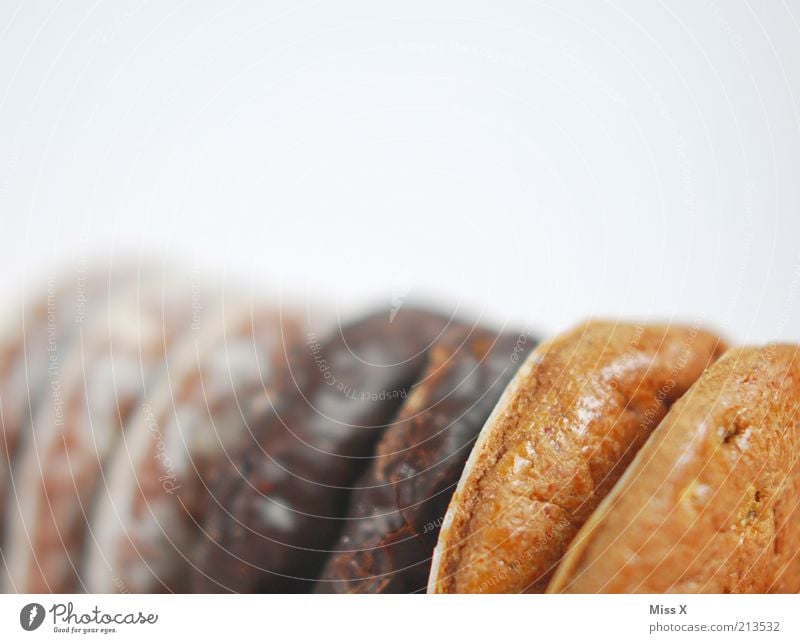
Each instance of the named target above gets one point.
<point>399,502</point>
<point>277,510</point>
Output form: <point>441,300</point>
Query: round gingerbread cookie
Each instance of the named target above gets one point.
<point>712,501</point>
<point>564,431</point>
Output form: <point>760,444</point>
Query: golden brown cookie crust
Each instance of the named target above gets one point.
<point>711,502</point>
<point>560,437</point>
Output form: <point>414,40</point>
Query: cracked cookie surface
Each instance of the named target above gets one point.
<point>560,437</point>
<point>711,502</point>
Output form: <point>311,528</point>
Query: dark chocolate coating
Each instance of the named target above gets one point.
<point>277,509</point>
<point>401,499</point>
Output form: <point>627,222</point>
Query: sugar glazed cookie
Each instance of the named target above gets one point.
<point>276,511</point>
<point>145,522</point>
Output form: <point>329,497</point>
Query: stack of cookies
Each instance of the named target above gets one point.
<point>163,433</point>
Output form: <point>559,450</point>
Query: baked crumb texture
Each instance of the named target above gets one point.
<point>711,503</point>
<point>557,442</point>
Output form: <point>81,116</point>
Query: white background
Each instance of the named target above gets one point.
<point>536,161</point>
<point>539,162</point>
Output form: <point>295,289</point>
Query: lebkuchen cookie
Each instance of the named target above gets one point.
<point>145,521</point>
<point>275,512</point>
<point>712,501</point>
<point>58,467</point>
<point>398,503</point>
<point>562,434</point>
<point>41,357</point>
<point>34,342</point>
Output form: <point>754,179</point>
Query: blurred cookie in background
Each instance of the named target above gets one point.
<point>144,524</point>
<point>277,509</point>
<point>56,471</point>
<point>398,504</point>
